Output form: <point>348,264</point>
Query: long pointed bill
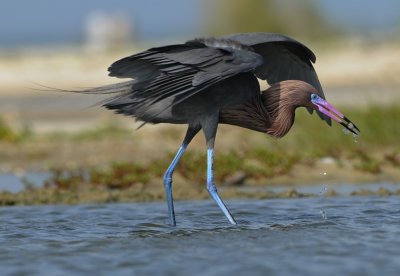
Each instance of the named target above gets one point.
<point>327,109</point>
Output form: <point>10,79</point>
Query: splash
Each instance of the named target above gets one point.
<point>323,193</point>
<point>346,131</point>
<point>355,138</point>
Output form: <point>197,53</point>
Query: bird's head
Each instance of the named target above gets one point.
<point>316,101</point>
<point>295,93</point>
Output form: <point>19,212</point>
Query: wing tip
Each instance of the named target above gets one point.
<point>251,39</point>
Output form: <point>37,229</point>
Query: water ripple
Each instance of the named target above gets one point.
<point>361,235</point>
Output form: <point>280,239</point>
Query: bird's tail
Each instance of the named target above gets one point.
<point>114,91</point>
<point>117,88</point>
<point>121,97</point>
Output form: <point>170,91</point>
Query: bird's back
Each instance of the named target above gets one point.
<point>231,93</point>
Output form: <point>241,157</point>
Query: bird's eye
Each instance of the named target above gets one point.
<point>314,97</point>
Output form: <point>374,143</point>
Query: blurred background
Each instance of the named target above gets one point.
<point>70,44</point>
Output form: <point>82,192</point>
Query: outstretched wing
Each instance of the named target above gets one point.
<point>181,70</point>
<point>284,59</point>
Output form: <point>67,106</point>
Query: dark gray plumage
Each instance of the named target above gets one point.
<point>176,72</point>
<point>204,82</point>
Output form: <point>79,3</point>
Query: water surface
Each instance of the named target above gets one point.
<point>311,236</point>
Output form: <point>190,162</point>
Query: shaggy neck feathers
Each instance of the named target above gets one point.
<point>273,111</point>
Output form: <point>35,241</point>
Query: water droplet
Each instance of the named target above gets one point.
<point>323,214</point>
<point>355,138</point>
<point>346,131</point>
<point>324,190</point>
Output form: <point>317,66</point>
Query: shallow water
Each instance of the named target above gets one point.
<point>358,236</point>
<point>14,183</point>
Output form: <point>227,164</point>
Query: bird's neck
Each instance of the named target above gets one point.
<point>280,106</point>
<point>271,112</point>
<point>251,115</point>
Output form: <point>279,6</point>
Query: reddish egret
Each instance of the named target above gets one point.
<point>204,82</point>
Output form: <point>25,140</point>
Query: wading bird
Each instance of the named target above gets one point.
<point>204,82</point>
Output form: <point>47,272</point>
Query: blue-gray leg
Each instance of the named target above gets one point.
<point>210,125</point>
<point>191,132</point>
<point>168,184</point>
<point>212,189</point>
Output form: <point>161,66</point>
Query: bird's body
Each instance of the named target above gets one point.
<point>228,94</point>
<point>205,82</point>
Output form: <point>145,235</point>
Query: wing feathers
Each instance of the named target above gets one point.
<point>285,59</point>
<point>181,70</point>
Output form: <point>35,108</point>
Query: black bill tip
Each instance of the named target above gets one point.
<point>350,123</point>
<point>351,127</point>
